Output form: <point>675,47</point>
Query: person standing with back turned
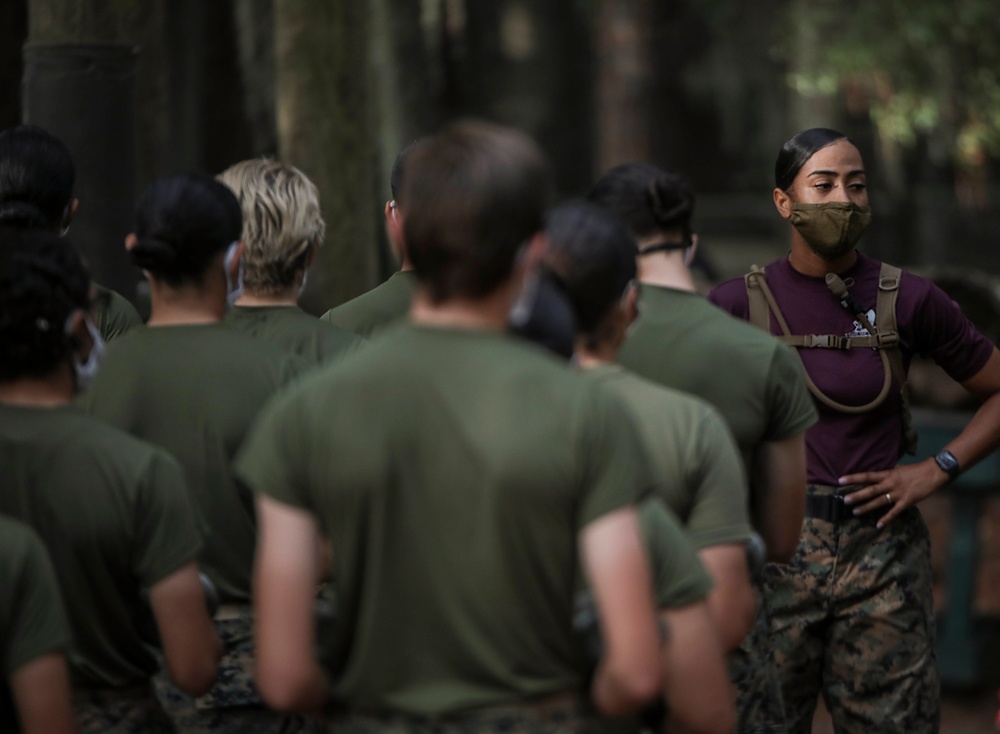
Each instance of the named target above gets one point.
<point>852,613</point>
<point>460,477</point>
<point>192,385</point>
<point>684,342</point>
<point>283,230</point>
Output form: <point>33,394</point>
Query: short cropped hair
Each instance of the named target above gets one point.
<point>474,194</point>
<point>42,282</point>
<point>281,221</point>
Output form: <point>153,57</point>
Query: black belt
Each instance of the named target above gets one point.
<point>832,508</point>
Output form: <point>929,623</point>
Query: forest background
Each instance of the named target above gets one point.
<point>707,88</point>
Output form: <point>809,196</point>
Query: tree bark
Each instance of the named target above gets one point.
<point>326,128</point>
<point>624,82</point>
<point>79,83</point>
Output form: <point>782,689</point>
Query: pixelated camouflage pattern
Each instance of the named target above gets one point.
<point>233,704</point>
<point>568,717</point>
<point>852,616</point>
<point>132,711</point>
<point>759,705</point>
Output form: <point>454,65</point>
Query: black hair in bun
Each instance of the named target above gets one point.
<point>182,223</point>
<point>646,198</point>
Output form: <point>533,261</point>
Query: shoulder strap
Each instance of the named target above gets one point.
<point>885,309</point>
<point>760,312</point>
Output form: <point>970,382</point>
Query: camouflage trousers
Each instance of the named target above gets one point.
<point>759,705</point>
<point>852,617</point>
<point>561,715</point>
<point>233,704</point>
<point>129,711</point>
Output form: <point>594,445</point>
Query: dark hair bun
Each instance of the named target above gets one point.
<point>646,198</point>
<point>182,223</point>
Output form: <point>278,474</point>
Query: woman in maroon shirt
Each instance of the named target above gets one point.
<point>852,613</point>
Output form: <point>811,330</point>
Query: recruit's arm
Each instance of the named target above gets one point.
<point>617,568</point>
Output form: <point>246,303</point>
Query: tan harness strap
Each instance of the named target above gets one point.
<point>758,280</point>
<point>885,307</point>
<point>760,313</point>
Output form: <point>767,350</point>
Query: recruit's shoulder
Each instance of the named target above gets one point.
<point>32,617</point>
<point>646,396</point>
<point>375,310</point>
<point>295,331</point>
<point>86,438</point>
<point>116,316</point>
<point>214,344</point>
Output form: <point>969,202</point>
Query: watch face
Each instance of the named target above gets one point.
<point>948,463</point>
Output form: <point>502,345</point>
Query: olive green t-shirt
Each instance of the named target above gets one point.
<point>698,465</point>
<point>115,517</point>
<point>194,390</point>
<point>294,330</point>
<point>32,619</point>
<point>679,578</point>
<point>683,341</point>
<point>383,306</point>
<point>452,471</point>
<point>115,315</point>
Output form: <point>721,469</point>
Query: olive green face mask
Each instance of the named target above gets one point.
<point>833,228</point>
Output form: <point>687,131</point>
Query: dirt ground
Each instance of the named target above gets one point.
<point>971,710</point>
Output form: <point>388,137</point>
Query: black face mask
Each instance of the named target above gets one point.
<point>544,315</point>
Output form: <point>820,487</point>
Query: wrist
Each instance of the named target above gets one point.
<point>948,464</point>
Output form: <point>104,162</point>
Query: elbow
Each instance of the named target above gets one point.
<point>633,688</point>
<point>717,719</point>
<point>734,618</point>
<point>782,549</point>
<point>196,675</point>
<point>287,691</point>
<point>197,678</point>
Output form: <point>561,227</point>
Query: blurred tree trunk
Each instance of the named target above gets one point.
<point>624,81</point>
<point>79,83</point>
<point>327,128</point>
<point>529,65</point>
<point>254,21</point>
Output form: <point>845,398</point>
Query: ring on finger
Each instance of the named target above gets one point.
<point>888,498</point>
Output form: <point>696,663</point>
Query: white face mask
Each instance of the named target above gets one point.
<point>87,371</point>
<point>233,291</point>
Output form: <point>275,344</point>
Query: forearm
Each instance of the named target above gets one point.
<point>980,437</point>
<point>697,691</point>
<point>731,604</point>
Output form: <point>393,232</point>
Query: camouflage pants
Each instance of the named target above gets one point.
<point>132,711</point>
<point>561,717</point>
<point>759,706</point>
<point>233,704</point>
<point>852,616</point>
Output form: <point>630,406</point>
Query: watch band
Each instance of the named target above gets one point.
<point>948,464</point>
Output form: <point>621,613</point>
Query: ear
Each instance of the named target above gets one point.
<point>76,330</point>
<point>234,266</point>
<point>630,303</point>
<point>691,250</point>
<point>130,241</point>
<point>69,213</point>
<point>783,203</point>
<point>311,255</point>
<point>394,229</point>
<point>532,256</point>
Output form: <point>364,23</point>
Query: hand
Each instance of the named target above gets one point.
<point>901,487</point>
